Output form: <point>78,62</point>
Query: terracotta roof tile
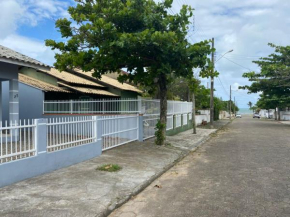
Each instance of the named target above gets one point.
<point>8,53</point>
<point>71,78</point>
<point>89,90</point>
<point>40,84</point>
<point>111,81</point>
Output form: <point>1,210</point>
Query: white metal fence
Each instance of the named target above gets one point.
<point>148,107</point>
<point>169,124</point>
<point>114,106</point>
<point>17,140</point>
<point>184,119</point>
<point>103,106</point>
<point>149,124</point>
<point>118,130</point>
<point>68,132</point>
<point>178,120</point>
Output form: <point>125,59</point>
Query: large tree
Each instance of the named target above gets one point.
<point>137,35</point>
<point>273,80</point>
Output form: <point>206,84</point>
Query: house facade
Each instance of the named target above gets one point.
<point>26,83</point>
<point>10,63</point>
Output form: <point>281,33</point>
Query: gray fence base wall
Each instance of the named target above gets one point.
<point>25,168</point>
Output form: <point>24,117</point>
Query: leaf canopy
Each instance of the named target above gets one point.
<point>273,80</point>
<point>139,35</point>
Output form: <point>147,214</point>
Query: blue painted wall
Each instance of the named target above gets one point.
<point>30,101</point>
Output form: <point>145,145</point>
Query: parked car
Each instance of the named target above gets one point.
<point>238,116</point>
<point>256,116</point>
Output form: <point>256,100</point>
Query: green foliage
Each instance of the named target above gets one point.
<point>181,89</point>
<point>202,98</point>
<point>273,80</point>
<point>264,103</point>
<point>105,36</point>
<point>160,138</point>
<point>110,167</point>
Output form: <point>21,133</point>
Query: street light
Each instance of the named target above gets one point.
<point>224,55</point>
<point>212,85</point>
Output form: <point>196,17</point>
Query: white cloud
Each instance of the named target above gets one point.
<point>244,26</point>
<point>30,47</point>
<point>15,13</point>
<point>10,14</point>
<point>28,12</point>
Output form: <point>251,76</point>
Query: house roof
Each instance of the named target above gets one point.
<point>88,90</point>
<point>71,78</point>
<point>40,84</point>
<point>110,81</point>
<point>10,56</point>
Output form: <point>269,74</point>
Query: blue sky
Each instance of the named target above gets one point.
<point>244,26</point>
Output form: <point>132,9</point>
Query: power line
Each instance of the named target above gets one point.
<point>223,86</point>
<point>241,55</point>
<point>238,64</point>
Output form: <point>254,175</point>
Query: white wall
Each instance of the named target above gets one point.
<point>204,112</point>
<point>267,114</point>
<point>223,115</point>
<point>285,116</point>
<point>200,118</point>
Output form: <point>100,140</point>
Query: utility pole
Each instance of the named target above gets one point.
<point>234,106</point>
<point>212,87</point>
<point>193,113</point>
<point>230,102</point>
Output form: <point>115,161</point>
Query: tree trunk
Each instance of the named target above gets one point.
<point>193,114</point>
<point>163,106</point>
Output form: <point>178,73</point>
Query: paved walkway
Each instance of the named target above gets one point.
<point>81,190</point>
<point>243,171</point>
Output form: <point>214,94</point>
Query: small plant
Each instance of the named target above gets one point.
<point>159,135</point>
<point>110,168</point>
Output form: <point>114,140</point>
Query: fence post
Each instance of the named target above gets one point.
<point>71,106</point>
<point>95,127</point>
<point>99,127</point>
<point>139,105</point>
<point>174,121</point>
<point>103,106</point>
<point>40,136</point>
<point>182,120</point>
<point>140,128</point>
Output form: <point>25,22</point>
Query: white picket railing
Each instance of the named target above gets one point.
<point>68,132</point>
<point>118,130</point>
<point>17,140</point>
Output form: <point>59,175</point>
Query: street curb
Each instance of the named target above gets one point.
<point>139,189</point>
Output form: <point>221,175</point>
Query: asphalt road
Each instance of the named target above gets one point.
<point>242,171</point>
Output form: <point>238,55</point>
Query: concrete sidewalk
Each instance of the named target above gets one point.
<point>81,190</point>
<point>285,122</point>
